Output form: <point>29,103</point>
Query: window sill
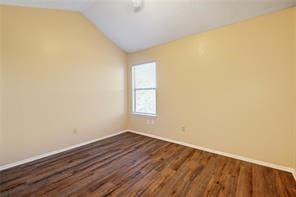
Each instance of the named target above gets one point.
<point>144,115</point>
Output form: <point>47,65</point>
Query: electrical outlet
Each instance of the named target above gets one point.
<point>183,128</point>
<point>74,131</point>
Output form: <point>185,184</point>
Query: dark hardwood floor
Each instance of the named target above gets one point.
<point>134,165</point>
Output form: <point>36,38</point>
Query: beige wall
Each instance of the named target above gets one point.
<point>1,58</point>
<point>294,90</point>
<point>231,87</point>
<point>59,73</point>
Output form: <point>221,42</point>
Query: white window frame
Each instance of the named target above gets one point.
<point>135,89</point>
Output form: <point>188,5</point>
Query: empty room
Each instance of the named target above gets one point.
<point>148,98</point>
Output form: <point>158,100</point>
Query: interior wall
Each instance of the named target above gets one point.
<point>231,88</point>
<point>1,58</point>
<point>294,55</point>
<point>64,82</point>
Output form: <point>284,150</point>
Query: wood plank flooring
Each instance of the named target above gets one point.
<point>133,165</point>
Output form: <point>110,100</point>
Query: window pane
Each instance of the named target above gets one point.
<point>145,101</point>
<point>144,75</point>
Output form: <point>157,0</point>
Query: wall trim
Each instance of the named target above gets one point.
<point>36,157</point>
<point>263,163</point>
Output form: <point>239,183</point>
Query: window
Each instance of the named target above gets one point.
<point>144,88</point>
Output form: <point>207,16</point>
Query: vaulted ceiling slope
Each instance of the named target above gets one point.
<point>159,21</point>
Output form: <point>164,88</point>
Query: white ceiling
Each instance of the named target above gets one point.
<point>159,21</point>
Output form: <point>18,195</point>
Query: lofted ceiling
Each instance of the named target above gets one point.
<point>159,21</point>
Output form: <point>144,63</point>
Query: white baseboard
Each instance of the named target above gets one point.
<point>263,163</point>
<point>10,165</point>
